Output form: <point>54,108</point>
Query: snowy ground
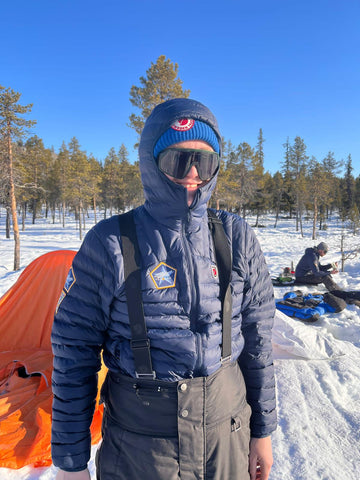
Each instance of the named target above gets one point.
<point>317,365</point>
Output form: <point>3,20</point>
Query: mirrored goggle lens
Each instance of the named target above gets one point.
<point>178,162</point>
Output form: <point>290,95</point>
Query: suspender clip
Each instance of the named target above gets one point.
<point>146,375</point>
<point>140,343</point>
<point>225,360</point>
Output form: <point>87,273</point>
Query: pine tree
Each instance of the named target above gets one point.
<point>349,191</point>
<point>277,193</point>
<point>61,168</point>
<point>289,193</point>
<point>257,168</point>
<point>318,188</point>
<point>12,126</point>
<point>298,165</point>
<point>161,83</point>
<point>33,163</point>
<point>54,181</point>
<point>331,168</point>
<point>111,181</point>
<point>95,176</point>
<point>78,191</point>
<point>131,192</point>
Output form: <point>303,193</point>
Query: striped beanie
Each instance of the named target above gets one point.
<point>187,129</point>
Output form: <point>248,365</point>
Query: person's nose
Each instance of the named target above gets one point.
<point>193,173</point>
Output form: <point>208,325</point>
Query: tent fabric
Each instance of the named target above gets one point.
<point>26,317</point>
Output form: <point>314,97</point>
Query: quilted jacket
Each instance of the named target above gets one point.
<point>180,292</point>
<point>309,265</point>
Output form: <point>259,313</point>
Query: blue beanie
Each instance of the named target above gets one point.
<point>187,129</point>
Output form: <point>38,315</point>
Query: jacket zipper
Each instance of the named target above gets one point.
<point>193,293</point>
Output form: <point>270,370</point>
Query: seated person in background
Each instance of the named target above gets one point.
<point>310,271</point>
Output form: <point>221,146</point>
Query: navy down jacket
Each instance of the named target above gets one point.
<point>180,292</point>
<point>309,265</point>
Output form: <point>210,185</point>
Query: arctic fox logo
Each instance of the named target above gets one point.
<point>183,124</point>
<point>163,276</point>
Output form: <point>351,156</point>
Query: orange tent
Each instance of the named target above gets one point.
<point>26,317</point>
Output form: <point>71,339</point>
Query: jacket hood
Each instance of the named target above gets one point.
<point>165,200</point>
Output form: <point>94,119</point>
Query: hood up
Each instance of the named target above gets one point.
<point>165,200</point>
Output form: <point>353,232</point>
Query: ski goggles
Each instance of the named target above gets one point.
<point>177,162</point>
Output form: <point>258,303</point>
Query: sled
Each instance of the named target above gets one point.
<point>310,307</point>
<point>283,282</point>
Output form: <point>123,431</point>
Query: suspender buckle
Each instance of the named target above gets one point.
<point>140,343</point>
<point>225,360</point>
<point>146,375</point>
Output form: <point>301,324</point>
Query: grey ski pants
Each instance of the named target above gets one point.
<point>327,280</point>
<point>192,429</point>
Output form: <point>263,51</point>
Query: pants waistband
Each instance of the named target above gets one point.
<point>153,407</point>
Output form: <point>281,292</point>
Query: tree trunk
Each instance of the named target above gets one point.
<point>13,203</point>
<point>301,224</point>
<point>94,205</point>
<point>7,222</point>
<point>315,219</point>
<point>244,212</point>
<point>297,213</point>
<point>277,214</point>
<point>342,252</point>
<point>78,212</point>
<point>63,214</point>
<point>23,215</point>
<point>34,205</point>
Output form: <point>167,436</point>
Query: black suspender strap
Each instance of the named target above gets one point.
<point>224,264</point>
<point>140,343</point>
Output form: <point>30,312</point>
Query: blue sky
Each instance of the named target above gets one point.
<point>289,67</point>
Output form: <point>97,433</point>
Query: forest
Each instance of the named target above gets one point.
<point>35,178</point>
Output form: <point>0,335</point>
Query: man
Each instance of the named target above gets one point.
<point>190,419</point>
<point>310,271</point>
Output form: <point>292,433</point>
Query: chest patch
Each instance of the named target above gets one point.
<point>69,282</point>
<point>214,271</point>
<point>163,276</point>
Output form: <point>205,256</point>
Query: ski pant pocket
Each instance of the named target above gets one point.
<point>227,447</point>
<point>125,455</point>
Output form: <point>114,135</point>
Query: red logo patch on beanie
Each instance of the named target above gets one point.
<point>183,124</point>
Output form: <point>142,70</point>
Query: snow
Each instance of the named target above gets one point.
<point>317,365</point>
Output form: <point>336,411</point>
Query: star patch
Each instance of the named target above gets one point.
<point>61,298</point>
<point>70,280</point>
<point>163,276</point>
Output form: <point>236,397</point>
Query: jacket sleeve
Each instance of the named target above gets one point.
<point>315,266</point>
<point>256,359</point>
<point>77,338</point>
<point>325,268</point>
